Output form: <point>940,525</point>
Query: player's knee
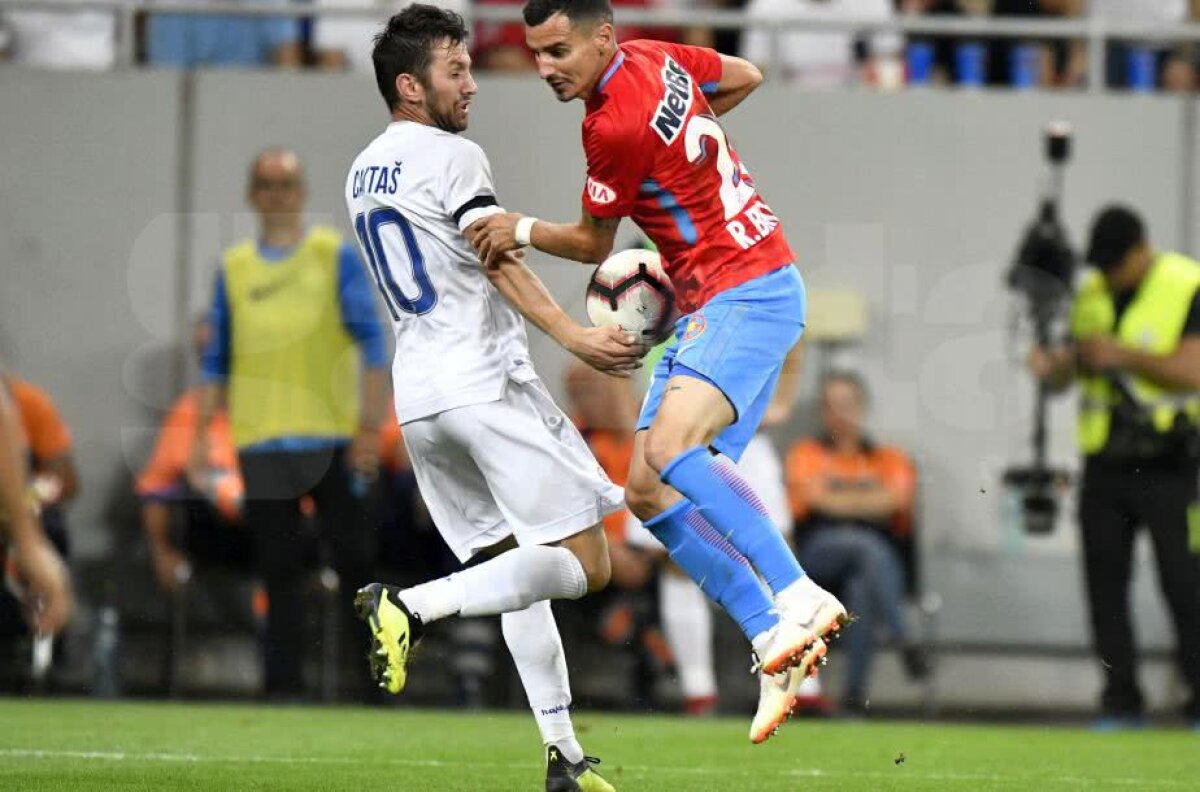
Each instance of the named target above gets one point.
<point>599,573</point>
<point>597,569</point>
<point>644,494</point>
<point>662,447</point>
<point>591,550</point>
<point>640,501</point>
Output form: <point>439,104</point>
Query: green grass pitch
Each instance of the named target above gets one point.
<point>79,745</point>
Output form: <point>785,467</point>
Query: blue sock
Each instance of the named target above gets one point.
<point>721,572</point>
<point>728,502</point>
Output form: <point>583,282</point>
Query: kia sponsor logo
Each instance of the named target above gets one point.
<point>600,193</point>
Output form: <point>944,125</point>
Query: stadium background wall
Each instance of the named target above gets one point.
<point>119,190</point>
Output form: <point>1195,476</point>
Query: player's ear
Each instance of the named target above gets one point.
<point>604,36</point>
<point>410,89</point>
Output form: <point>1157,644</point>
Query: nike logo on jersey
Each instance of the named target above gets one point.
<point>673,108</point>
<point>266,290</point>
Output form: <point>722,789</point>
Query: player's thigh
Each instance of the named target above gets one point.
<point>454,489</point>
<point>543,477</point>
<point>737,344</point>
<point>694,411</point>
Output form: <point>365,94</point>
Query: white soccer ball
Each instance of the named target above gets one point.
<point>631,290</point>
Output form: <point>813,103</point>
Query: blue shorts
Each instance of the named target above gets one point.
<point>736,342</point>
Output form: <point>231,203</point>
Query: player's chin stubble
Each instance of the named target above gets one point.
<point>446,121</point>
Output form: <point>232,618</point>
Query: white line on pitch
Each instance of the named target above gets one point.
<point>185,758</point>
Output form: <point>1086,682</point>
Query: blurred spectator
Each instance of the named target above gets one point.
<point>213,531</point>
<point>1055,62</point>
<point>344,43</point>
<point>58,39</point>
<point>53,482</point>
<point>500,46</point>
<point>31,562</point>
<point>1002,61</point>
<point>822,59</point>
<point>218,40</point>
<point>293,315</point>
<point>727,41</point>
<point>941,48</point>
<point>48,438</point>
<point>1134,64</point>
<point>852,500</point>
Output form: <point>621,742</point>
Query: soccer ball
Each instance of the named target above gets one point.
<point>631,290</point>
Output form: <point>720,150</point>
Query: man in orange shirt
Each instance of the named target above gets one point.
<point>214,531</point>
<point>55,479</point>
<point>34,563</point>
<point>45,443</point>
<point>853,503</point>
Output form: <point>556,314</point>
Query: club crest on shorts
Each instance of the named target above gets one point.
<point>695,327</point>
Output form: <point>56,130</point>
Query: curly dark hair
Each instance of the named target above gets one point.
<point>406,45</point>
<point>538,11</point>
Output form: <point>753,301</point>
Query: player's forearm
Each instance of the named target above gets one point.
<point>739,79</point>
<point>525,291</point>
<point>572,241</point>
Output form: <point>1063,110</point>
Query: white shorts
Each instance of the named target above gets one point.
<point>512,467</point>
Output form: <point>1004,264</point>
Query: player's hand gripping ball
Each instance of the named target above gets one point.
<point>631,290</point>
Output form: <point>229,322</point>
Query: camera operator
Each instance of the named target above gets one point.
<point>1135,351</point>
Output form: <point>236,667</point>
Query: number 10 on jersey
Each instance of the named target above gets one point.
<point>385,234</point>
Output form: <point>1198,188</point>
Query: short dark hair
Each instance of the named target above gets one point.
<point>1115,231</point>
<point>847,377</point>
<point>405,45</point>
<point>538,11</point>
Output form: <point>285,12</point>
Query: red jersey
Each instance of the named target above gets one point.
<point>657,154</point>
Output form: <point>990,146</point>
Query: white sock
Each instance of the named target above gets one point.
<point>536,649</point>
<point>511,581</point>
<point>687,623</point>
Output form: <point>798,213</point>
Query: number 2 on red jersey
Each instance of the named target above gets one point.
<point>736,188</point>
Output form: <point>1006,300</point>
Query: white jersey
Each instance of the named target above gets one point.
<point>411,193</point>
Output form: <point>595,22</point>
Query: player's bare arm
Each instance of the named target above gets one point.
<point>590,240</point>
<point>607,349</point>
<point>739,79</point>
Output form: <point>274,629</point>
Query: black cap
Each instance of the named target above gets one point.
<point>1115,231</point>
